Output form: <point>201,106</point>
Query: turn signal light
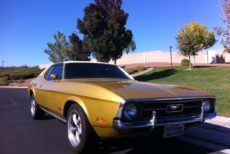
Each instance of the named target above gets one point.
<point>101,121</point>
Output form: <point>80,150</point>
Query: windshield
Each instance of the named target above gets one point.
<point>92,70</point>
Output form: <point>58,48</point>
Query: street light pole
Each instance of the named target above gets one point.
<point>170,49</point>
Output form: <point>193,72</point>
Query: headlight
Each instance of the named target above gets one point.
<point>130,112</point>
<point>206,106</point>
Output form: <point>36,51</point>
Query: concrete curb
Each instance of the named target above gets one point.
<point>13,87</point>
<point>221,121</point>
<point>149,69</point>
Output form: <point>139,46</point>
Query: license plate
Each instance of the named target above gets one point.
<point>173,130</point>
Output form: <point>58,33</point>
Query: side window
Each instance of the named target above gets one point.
<point>57,70</point>
<point>47,75</point>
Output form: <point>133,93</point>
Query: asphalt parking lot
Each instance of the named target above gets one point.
<point>19,134</point>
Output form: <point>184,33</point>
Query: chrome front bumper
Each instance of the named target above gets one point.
<point>151,124</point>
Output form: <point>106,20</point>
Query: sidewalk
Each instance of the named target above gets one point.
<point>14,87</point>
<point>213,134</point>
<point>221,121</point>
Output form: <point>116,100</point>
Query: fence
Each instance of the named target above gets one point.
<point>203,57</point>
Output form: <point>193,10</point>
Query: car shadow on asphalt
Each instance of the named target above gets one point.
<point>48,117</point>
<point>218,128</point>
<point>148,145</point>
<point>216,136</point>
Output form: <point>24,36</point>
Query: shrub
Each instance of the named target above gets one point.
<point>185,62</point>
<point>4,81</point>
<point>18,73</point>
<point>20,81</point>
<point>21,76</point>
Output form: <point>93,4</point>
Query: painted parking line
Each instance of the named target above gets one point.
<point>225,151</point>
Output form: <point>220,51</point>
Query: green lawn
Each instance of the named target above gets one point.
<point>213,79</point>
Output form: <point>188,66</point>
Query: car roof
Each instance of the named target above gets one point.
<point>72,62</point>
<point>85,62</point>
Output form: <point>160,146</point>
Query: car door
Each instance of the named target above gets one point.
<point>50,88</point>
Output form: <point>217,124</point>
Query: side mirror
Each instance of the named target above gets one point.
<point>53,76</point>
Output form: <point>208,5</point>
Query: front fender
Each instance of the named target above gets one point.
<point>80,102</point>
<point>100,113</point>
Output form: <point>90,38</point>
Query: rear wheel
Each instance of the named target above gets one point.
<point>35,110</point>
<point>80,133</point>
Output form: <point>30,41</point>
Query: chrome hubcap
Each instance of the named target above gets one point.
<point>74,128</point>
<point>32,108</point>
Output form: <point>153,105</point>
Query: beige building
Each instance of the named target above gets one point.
<point>43,66</point>
<point>203,57</point>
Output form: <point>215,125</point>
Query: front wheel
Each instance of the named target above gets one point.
<point>35,110</point>
<point>80,133</point>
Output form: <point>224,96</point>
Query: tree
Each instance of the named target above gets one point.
<point>225,30</point>
<point>194,37</point>
<point>57,50</point>
<point>63,49</point>
<point>131,46</point>
<point>103,27</point>
<point>78,49</point>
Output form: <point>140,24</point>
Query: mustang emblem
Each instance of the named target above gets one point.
<point>175,108</point>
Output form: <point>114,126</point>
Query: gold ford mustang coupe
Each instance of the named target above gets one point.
<point>102,100</point>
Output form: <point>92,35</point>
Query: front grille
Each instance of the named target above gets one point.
<point>191,108</point>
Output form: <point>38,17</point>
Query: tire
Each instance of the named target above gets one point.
<point>81,135</point>
<point>35,110</point>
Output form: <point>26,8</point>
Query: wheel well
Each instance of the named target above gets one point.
<point>31,93</point>
<point>67,106</point>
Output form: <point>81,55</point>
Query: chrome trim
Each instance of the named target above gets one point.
<point>54,115</point>
<point>162,108</point>
<point>119,113</point>
<point>127,74</point>
<point>202,112</point>
<point>177,106</point>
<point>153,123</point>
<point>167,98</point>
<point>119,125</point>
<point>122,126</point>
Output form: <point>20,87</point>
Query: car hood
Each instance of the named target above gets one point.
<point>131,89</point>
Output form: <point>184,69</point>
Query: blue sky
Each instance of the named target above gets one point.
<point>27,25</point>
